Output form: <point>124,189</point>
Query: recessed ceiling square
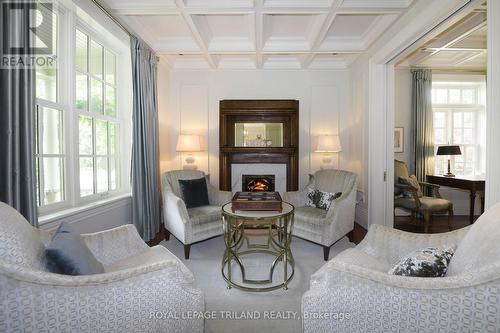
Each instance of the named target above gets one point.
<point>164,25</point>
<point>297,3</point>
<point>219,3</point>
<point>282,61</point>
<point>351,25</point>
<point>236,61</point>
<point>291,32</point>
<point>225,32</point>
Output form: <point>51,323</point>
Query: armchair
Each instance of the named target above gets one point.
<point>356,284</point>
<point>325,227</point>
<point>416,202</point>
<point>139,282</point>
<point>196,224</point>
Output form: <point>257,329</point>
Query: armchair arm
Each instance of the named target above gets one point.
<point>296,198</point>
<point>434,188</point>
<point>174,207</point>
<point>391,244</point>
<point>27,274</point>
<point>217,197</point>
<point>115,244</point>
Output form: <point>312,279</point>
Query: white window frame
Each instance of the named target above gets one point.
<point>68,22</point>
<point>450,108</point>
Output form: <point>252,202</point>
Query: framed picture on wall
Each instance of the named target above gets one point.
<point>399,139</point>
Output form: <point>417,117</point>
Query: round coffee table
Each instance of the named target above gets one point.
<point>278,227</point>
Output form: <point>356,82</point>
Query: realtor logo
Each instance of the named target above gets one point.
<point>27,34</point>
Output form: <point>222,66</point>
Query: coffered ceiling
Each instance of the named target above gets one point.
<point>250,34</point>
<point>460,47</point>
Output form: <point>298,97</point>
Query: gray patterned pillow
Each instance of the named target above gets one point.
<point>428,262</point>
<point>319,199</point>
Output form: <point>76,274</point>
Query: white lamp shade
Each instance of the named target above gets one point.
<point>328,144</point>
<point>188,143</point>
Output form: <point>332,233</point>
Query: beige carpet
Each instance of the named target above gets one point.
<point>276,311</point>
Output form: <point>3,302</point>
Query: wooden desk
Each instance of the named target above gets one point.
<point>472,184</point>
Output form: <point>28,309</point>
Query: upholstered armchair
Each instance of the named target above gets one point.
<point>355,290</point>
<point>325,227</point>
<point>139,287</point>
<point>408,197</point>
<point>196,224</point>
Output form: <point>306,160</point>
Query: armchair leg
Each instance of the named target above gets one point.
<point>326,252</point>
<point>350,235</point>
<point>187,248</point>
<point>450,216</point>
<point>167,234</point>
<point>427,217</point>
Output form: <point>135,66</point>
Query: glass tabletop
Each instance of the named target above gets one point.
<point>257,214</point>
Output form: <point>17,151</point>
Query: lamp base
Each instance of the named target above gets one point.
<point>449,174</point>
<point>190,163</point>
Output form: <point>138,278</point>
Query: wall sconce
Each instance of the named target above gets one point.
<point>189,144</point>
<point>328,144</point>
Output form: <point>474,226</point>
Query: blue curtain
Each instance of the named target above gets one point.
<point>422,129</point>
<point>17,123</point>
<point>145,175</point>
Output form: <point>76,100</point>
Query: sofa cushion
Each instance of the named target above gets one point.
<point>427,203</point>
<point>194,192</point>
<point>320,199</point>
<point>68,254</point>
<point>205,214</point>
<point>479,247</point>
<point>311,215</point>
<point>151,256</point>
<point>358,257</point>
<point>428,262</point>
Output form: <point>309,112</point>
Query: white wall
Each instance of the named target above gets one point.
<point>193,108</point>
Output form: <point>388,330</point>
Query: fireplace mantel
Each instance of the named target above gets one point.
<point>282,111</point>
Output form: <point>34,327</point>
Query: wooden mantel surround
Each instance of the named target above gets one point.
<point>257,111</point>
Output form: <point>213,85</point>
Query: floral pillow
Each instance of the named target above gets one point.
<point>320,199</point>
<point>428,262</point>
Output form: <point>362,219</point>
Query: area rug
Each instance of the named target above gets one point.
<point>246,312</point>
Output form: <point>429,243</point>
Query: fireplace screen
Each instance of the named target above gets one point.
<point>255,183</point>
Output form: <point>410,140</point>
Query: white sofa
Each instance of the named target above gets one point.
<point>356,283</point>
<point>325,227</point>
<point>142,289</point>
<point>196,224</point>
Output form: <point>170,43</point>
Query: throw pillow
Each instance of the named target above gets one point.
<point>413,182</point>
<point>68,254</point>
<point>194,192</point>
<point>428,262</point>
<point>320,199</point>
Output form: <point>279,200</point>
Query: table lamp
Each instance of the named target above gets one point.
<point>188,144</point>
<point>328,144</point>
<point>449,150</point>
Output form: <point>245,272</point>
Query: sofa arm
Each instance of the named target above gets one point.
<point>115,244</point>
<point>26,274</point>
<point>392,244</point>
<point>296,198</point>
<point>364,304</point>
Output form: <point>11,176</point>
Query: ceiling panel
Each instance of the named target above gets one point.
<point>226,34</point>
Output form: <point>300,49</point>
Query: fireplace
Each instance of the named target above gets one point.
<point>257,183</point>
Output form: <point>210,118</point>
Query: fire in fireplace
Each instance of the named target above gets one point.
<point>256,183</point>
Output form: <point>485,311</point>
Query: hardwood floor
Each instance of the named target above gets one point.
<point>438,225</point>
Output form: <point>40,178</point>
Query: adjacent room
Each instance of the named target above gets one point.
<point>250,166</point>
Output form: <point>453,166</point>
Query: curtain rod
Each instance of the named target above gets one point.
<point>108,14</point>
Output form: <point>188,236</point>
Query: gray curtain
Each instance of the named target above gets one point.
<point>17,159</point>
<point>422,130</point>
<point>145,152</point>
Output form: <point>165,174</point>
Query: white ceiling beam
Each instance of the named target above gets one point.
<point>196,34</point>
<point>473,23</point>
<point>472,57</point>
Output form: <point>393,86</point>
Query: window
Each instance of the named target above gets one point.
<point>82,116</point>
<point>95,103</point>
<point>459,112</point>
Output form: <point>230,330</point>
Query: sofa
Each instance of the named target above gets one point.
<point>356,284</point>
<point>143,289</point>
